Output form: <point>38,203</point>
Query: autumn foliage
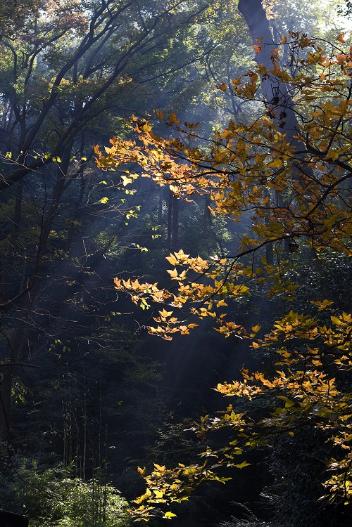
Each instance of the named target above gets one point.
<point>295,185</point>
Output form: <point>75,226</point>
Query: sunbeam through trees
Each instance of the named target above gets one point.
<point>176,241</point>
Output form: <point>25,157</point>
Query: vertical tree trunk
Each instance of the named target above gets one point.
<point>5,403</point>
<point>16,342</point>
<point>275,91</point>
<point>84,453</point>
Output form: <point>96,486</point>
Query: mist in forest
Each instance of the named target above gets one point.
<point>106,108</point>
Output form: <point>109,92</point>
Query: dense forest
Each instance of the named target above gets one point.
<point>176,242</point>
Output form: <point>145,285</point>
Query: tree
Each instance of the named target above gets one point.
<point>88,69</point>
<point>67,74</point>
<point>296,186</point>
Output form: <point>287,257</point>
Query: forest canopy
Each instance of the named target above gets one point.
<point>179,170</point>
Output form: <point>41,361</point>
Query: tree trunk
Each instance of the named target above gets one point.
<point>16,344</point>
<point>275,91</point>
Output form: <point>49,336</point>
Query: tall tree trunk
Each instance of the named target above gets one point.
<point>275,91</point>
<point>16,343</point>
<point>5,402</point>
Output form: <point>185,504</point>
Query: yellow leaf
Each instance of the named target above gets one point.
<point>159,468</point>
<point>221,303</point>
<point>256,328</point>
<point>143,498</point>
<point>322,304</point>
<point>173,273</point>
<point>169,515</point>
<point>126,180</point>
<point>165,314</point>
<point>276,163</point>
<point>158,493</point>
<point>336,321</point>
<point>146,127</point>
<point>141,470</point>
<point>242,465</point>
<point>171,259</point>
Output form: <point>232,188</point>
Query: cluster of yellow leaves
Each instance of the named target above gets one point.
<point>310,356</point>
<point>334,338</point>
<point>167,486</point>
<point>296,197</point>
<point>250,164</point>
<point>201,287</point>
<point>303,391</point>
<point>157,158</point>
